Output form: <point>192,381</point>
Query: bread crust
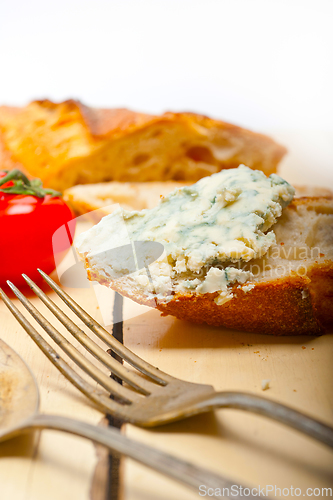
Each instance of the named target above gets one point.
<point>69,143</point>
<point>7,162</point>
<point>289,306</point>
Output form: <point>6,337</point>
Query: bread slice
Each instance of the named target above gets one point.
<point>130,195</point>
<point>292,289</point>
<point>139,195</point>
<point>69,143</point>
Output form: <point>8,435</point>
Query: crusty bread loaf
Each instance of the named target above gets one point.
<point>139,195</point>
<point>292,289</point>
<point>68,143</point>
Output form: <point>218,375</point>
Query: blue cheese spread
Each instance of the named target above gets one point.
<point>206,229</point>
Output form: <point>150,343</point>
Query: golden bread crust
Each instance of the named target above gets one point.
<point>7,162</point>
<point>104,122</point>
<point>279,307</point>
<point>69,143</point>
<point>321,292</point>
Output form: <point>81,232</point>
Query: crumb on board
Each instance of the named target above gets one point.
<point>265,384</point>
<point>303,347</point>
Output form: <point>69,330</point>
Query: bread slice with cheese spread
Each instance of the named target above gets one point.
<point>238,253</point>
<point>68,143</point>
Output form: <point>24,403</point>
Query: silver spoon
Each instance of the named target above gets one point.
<point>19,403</point>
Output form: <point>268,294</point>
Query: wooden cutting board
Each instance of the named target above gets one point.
<point>250,449</point>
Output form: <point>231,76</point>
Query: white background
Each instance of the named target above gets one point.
<point>263,64</point>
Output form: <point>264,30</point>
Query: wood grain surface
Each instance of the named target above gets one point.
<point>248,448</point>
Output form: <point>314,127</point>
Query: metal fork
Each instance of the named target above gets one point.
<point>156,398</point>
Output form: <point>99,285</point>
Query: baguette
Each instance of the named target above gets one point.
<point>290,291</point>
<point>69,143</point>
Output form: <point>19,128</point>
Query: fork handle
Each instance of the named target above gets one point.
<point>271,409</point>
<point>184,472</point>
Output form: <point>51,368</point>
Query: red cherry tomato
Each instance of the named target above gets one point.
<point>27,224</point>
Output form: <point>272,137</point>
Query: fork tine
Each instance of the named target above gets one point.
<point>126,395</point>
<point>134,360</point>
<point>101,399</point>
<point>133,379</point>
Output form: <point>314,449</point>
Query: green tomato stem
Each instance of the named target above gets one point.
<point>15,175</point>
<point>22,185</point>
